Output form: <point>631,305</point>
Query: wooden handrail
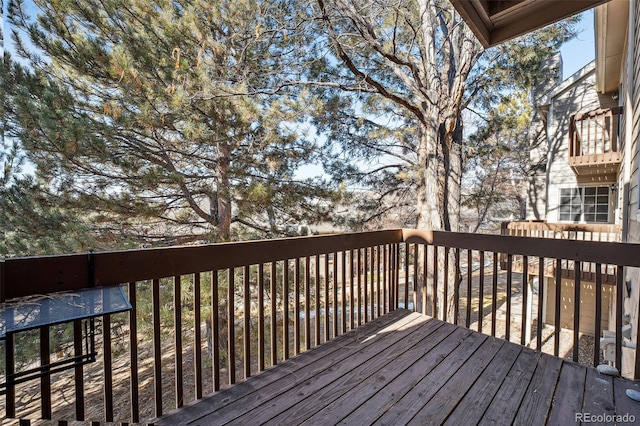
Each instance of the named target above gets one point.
<point>585,251</point>
<point>48,274</point>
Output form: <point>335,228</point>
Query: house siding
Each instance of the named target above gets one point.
<point>587,301</point>
<point>631,98</point>
<point>581,96</point>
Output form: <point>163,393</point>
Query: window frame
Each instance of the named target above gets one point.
<point>585,204</point>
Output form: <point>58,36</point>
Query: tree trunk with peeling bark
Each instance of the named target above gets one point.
<point>419,58</point>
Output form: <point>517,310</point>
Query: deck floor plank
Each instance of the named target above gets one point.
<point>407,368</point>
<point>503,407</point>
<point>536,403</point>
<point>623,404</point>
<point>313,395</point>
<point>267,382</point>
<point>377,389</point>
<point>395,389</point>
<point>436,410</point>
<point>569,394</point>
<point>301,385</point>
<point>598,394</point>
<point>476,400</point>
<point>403,411</point>
<point>320,396</point>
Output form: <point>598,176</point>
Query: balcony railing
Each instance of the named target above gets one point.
<point>189,334</point>
<point>564,231</point>
<point>594,144</point>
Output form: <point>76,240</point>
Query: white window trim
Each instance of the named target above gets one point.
<point>610,214</point>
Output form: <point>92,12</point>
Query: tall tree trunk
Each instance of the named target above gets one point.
<point>224,194</point>
<point>428,193</point>
<point>438,203</point>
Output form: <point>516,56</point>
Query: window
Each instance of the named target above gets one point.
<point>588,204</point>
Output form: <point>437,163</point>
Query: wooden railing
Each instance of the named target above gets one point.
<point>188,335</point>
<point>287,296</point>
<point>594,144</point>
<point>565,231</point>
<point>603,232</point>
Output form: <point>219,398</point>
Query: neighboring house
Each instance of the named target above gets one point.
<point>579,182</point>
<point>574,192</point>
<point>591,127</point>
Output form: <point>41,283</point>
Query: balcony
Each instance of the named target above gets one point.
<point>594,143</point>
<point>317,329</point>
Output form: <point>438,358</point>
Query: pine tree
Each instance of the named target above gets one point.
<point>160,116</point>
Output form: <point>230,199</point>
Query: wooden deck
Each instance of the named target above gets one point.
<point>407,368</point>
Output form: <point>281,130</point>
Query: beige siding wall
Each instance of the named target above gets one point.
<point>581,96</point>
<point>587,305</point>
<point>631,98</point>
<point>536,200</point>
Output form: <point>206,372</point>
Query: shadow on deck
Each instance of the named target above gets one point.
<point>407,368</point>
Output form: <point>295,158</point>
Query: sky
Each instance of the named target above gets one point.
<point>581,50</point>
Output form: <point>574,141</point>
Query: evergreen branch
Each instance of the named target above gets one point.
<point>358,73</point>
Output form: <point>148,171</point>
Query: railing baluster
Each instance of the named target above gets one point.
<point>541,279</point>
<point>133,353</point>
<point>456,289</point>
<point>10,361</point>
<point>107,368</point>
<point>246,337</point>
<point>177,312</point>
<point>576,309</point>
<point>507,324</point>
<point>285,308</point>
<point>406,276</point>
<point>396,274</point>
<point>307,304</point>
<point>343,275</point>
<point>45,380</point>
<point>231,325</point>
<point>619,307</point>
<point>79,370</point>
<point>425,274</point>
<point>597,332</point>
<point>434,301</point>
<point>386,276</point>
<point>326,297</point>
<point>524,326</point>
<point>157,353</point>
<point>296,306</point>
<point>416,295</point>
<point>335,294</point>
<point>481,292</point>
<point>377,265</point>
<point>445,287</point>
<point>558,295</point>
<point>469,286</point>
<point>390,287</point>
<point>197,336</point>
<point>318,306</point>
<point>360,270</point>
<point>273,277</point>
<point>261,342</point>
<point>365,271</point>
<point>215,331</point>
<point>494,294</point>
<point>352,259</point>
